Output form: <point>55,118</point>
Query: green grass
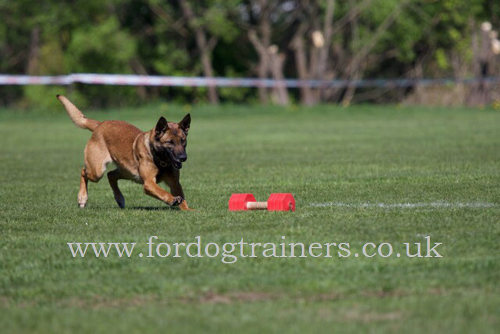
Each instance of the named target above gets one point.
<point>356,156</point>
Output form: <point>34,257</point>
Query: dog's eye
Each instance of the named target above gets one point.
<point>170,142</point>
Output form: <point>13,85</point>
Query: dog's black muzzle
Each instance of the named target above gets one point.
<point>177,162</point>
<point>167,156</point>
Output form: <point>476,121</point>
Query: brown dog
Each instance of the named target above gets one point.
<point>144,157</point>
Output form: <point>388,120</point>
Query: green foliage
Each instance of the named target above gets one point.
<point>101,48</point>
<point>174,60</point>
<point>441,59</point>
<point>43,97</point>
<point>218,22</point>
<point>152,36</point>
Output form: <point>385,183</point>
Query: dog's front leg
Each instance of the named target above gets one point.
<point>148,174</point>
<point>172,180</point>
<point>154,190</point>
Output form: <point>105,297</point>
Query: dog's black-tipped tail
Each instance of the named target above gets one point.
<point>77,116</point>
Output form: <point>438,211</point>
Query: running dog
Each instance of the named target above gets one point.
<point>144,157</point>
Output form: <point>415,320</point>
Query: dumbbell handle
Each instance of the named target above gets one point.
<point>256,205</point>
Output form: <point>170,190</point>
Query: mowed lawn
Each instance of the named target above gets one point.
<point>360,174</point>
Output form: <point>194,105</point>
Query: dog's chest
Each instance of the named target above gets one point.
<point>163,170</point>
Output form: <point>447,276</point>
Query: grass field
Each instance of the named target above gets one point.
<point>360,174</point>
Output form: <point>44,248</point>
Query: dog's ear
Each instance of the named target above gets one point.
<point>185,123</point>
<point>161,127</point>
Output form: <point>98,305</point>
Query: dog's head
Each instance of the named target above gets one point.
<point>168,141</point>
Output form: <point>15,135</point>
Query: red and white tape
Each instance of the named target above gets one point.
<point>152,80</point>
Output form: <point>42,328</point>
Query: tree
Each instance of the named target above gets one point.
<point>260,33</point>
<point>205,47</point>
<point>308,39</point>
<point>315,66</point>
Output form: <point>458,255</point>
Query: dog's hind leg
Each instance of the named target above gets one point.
<point>96,159</point>
<point>82,194</point>
<point>113,178</point>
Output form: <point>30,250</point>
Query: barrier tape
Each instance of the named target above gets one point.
<point>152,80</point>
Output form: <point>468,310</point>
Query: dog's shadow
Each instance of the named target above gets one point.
<point>153,208</point>
<point>139,208</point>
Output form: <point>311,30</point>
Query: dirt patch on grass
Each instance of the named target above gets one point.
<point>356,315</point>
<point>98,302</point>
<point>400,293</point>
<point>385,294</point>
<point>324,297</point>
<point>232,297</point>
<point>211,297</point>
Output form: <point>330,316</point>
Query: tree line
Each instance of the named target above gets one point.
<point>304,39</point>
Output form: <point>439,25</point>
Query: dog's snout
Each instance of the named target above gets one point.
<point>182,157</point>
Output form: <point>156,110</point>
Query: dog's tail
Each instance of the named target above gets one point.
<point>76,115</point>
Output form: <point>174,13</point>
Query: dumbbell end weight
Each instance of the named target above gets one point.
<point>238,202</point>
<point>281,202</point>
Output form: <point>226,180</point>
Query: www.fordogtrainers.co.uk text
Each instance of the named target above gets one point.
<point>231,252</point>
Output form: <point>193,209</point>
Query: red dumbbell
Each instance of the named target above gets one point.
<point>275,202</point>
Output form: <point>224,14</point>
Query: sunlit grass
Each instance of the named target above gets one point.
<point>356,156</point>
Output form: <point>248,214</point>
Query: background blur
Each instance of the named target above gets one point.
<point>304,39</point>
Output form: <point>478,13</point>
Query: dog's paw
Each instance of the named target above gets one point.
<point>176,201</point>
<point>120,200</point>
<point>184,207</point>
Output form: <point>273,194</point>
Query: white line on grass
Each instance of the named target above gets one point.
<point>406,205</point>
